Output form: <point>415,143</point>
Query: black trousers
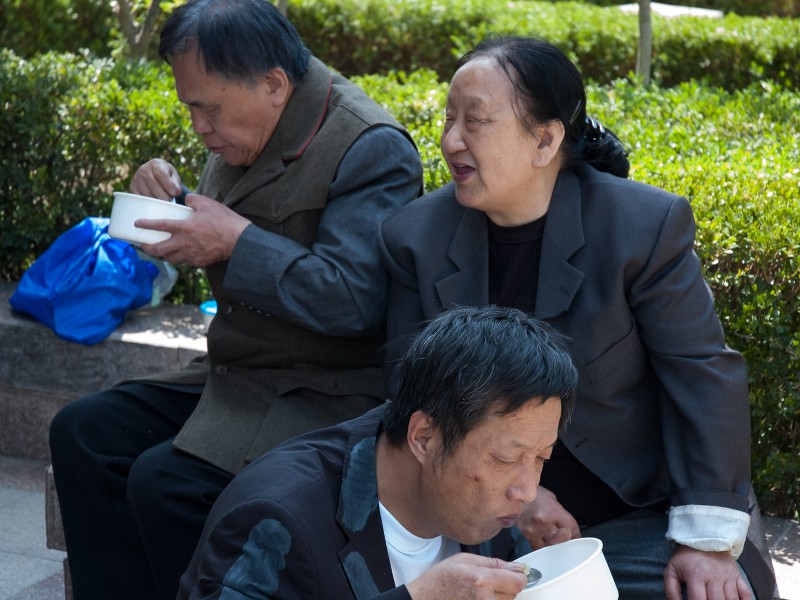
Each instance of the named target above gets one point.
<point>133,507</point>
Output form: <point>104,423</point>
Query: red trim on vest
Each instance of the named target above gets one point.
<point>319,122</point>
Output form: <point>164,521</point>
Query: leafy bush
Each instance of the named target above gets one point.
<point>31,27</point>
<point>377,36</point>
<point>736,156</point>
<point>755,8</point>
<point>72,130</point>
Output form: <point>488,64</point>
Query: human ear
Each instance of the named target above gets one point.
<point>420,436</point>
<point>549,137</point>
<point>278,86</point>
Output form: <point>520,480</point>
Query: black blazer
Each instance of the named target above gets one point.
<point>303,521</point>
<point>662,409</point>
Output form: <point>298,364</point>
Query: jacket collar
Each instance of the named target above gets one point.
<point>559,281</point>
<point>364,559</point>
<point>299,123</point>
<point>469,253</point>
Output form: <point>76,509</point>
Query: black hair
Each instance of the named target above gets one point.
<point>470,363</point>
<point>549,86</point>
<point>238,40</point>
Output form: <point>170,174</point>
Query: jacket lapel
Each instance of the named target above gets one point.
<point>559,281</point>
<point>364,559</point>
<point>291,137</point>
<point>469,253</point>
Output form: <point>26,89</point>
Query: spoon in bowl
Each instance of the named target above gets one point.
<point>534,575</point>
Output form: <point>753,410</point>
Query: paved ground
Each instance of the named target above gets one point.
<point>29,571</point>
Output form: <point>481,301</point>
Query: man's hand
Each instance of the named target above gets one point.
<point>707,576</point>
<point>157,179</point>
<point>469,577</point>
<point>206,237</point>
<point>545,522</point>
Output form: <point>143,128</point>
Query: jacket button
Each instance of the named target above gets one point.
<point>258,311</point>
<point>276,212</point>
<point>220,369</point>
<point>228,309</point>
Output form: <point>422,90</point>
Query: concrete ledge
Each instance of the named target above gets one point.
<point>40,372</point>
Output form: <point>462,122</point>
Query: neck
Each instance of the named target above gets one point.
<point>536,199</point>
<point>398,477</point>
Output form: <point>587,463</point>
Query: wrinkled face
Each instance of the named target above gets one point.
<point>482,486</point>
<point>236,120</point>
<point>488,151</point>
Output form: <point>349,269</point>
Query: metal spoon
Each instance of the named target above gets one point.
<point>534,575</point>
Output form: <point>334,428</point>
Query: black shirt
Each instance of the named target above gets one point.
<point>514,264</point>
<point>514,254</point>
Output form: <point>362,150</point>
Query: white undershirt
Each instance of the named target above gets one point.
<point>409,555</point>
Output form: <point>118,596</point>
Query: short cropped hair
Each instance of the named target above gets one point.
<point>238,40</point>
<point>471,363</point>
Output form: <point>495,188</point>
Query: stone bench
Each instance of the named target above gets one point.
<point>40,373</point>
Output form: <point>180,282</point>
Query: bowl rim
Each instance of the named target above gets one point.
<point>598,543</point>
<point>150,199</point>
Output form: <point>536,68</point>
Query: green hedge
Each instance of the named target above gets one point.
<point>72,130</point>
<point>755,8</point>
<point>736,157</point>
<point>377,36</point>
<point>30,27</point>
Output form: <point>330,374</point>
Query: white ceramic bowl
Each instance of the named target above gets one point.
<point>573,570</point>
<point>129,207</point>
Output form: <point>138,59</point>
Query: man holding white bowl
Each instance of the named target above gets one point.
<point>303,168</point>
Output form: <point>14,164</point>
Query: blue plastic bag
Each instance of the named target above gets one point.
<point>85,283</point>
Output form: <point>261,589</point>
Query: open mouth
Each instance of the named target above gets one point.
<point>461,171</point>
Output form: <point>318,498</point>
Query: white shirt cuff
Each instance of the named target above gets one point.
<point>708,528</point>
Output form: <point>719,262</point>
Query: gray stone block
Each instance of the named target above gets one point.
<point>40,372</point>
<point>25,416</point>
<point>157,339</point>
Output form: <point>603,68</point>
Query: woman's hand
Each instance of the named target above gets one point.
<point>706,575</point>
<point>545,522</point>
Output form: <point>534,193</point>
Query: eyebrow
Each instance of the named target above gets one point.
<point>518,445</point>
<point>475,102</point>
<point>470,102</point>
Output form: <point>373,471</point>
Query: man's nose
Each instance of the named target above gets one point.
<point>200,123</point>
<point>525,485</point>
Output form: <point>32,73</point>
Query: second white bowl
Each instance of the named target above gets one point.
<point>574,570</point>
